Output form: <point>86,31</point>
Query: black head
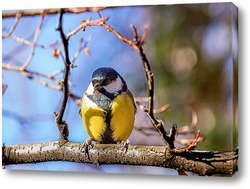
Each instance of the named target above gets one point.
<point>104,76</point>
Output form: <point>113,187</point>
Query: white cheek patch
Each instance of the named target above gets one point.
<point>90,89</point>
<point>114,86</point>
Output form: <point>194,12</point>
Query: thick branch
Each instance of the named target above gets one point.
<point>200,162</point>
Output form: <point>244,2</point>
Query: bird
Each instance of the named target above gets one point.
<point>107,108</point>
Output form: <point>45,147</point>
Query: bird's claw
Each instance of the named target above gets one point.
<point>125,144</point>
<point>86,146</point>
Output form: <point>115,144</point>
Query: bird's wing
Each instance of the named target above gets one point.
<point>132,98</point>
<point>80,109</point>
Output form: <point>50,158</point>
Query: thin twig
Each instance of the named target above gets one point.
<point>18,16</point>
<point>4,87</point>
<point>121,37</point>
<point>22,40</point>
<point>11,67</point>
<point>187,142</point>
<point>191,145</point>
<point>144,34</point>
<point>161,109</point>
<point>141,99</point>
<point>31,75</point>
<point>82,46</point>
<point>191,127</point>
<point>40,81</point>
<point>26,64</point>
<point>102,22</point>
<point>32,44</point>
<point>86,23</point>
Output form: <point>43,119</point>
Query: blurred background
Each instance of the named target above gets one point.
<point>193,52</point>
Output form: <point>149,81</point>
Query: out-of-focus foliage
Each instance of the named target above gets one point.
<point>195,64</point>
<point>193,52</point>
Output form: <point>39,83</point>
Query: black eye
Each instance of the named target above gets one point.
<point>107,81</point>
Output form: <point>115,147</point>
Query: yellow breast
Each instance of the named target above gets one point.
<point>93,119</point>
<point>121,122</point>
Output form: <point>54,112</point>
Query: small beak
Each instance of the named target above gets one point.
<point>97,86</point>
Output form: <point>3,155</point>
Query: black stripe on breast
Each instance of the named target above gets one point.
<point>108,133</point>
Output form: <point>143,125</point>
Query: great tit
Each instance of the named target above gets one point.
<point>108,108</point>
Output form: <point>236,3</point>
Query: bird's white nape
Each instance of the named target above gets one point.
<point>114,86</point>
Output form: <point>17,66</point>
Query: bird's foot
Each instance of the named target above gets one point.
<point>86,146</point>
<point>125,144</point>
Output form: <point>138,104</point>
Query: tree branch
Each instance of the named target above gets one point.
<point>52,11</point>
<point>158,124</point>
<point>62,125</point>
<point>200,162</point>
<point>18,16</point>
<point>32,75</point>
<point>36,35</point>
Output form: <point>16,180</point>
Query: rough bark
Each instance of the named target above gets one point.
<point>200,162</point>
